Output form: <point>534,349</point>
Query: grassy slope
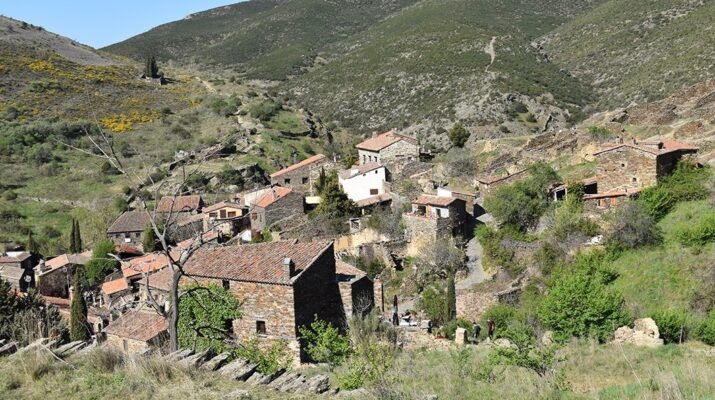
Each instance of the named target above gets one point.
<point>637,52</point>
<point>423,61</point>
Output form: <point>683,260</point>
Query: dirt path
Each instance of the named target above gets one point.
<point>489,49</point>
<point>474,263</point>
<point>208,86</point>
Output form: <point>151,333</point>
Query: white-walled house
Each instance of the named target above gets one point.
<point>363,181</point>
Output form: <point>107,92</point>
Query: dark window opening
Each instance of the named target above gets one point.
<point>373,191</point>
<point>222,213</point>
<point>228,327</point>
<point>226,284</point>
<point>231,214</point>
<point>305,181</point>
<point>261,327</point>
<point>286,181</point>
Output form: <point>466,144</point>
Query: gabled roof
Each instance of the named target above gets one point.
<point>347,273</point>
<point>655,148</point>
<point>68,259</point>
<point>359,169</point>
<point>143,325</point>
<point>15,258</point>
<point>272,196</point>
<point>130,221</point>
<point>384,140</point>
<point>11,272</point>
<point>115,286</point>
<point>148,263</point>
<point>223,204</point>
<point>260,263</point>
<point>160,280</point>
<point>372,200</point>
<point>428,199</point>
<point>169,204</point>
<point>304,163</point>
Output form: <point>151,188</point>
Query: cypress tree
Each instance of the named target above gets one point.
<point>79,330</point>
<point>451,299</point>
<point>149,241</point>
<point>77,239</point>
<point>32,246</point>
<point>73,237</point>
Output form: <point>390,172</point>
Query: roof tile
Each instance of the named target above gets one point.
<point>143,325</point>
<point>130,221</point>
<point>308,161</point>
<point>169,204</point>
<point>381,141</point>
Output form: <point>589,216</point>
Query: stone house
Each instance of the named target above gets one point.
<point>134,269</point>
<point>436,217</point>
<point>390,149</point>
<point>468,197</point>
<point>489,184</point>
<point>359,293</point>
<point>113,290</point>
<point>363,181</point>
<point>301,176</point>
<point>229,218</point>
<point>137,331</point>
<point>180,205</point>
<point>17,268</point>
<point>54,276</point>
<point>368,204</point>
<point>157,285</point>
<point>281,285</point>
<point>274,206</point>
<point>128,229</point>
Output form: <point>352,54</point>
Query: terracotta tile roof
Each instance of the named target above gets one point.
<point>655,147</point>
<point>143,325</point>
<point>148,263</point>
<point>262,263</point>
<point>15,258</point>
<point>428,199</point>
<point>207,237</point>
<point>223,204</point>
<point>271,197</point>
<point>169,204</point>
<point>67,259</point>
<point>381,141</point>
<point>488,180</point>
<point>128,249</point>
<point>160,280</point>
<point>347,272</point>
<point>11,272</point>
<point>372,200</point>
<point>359,169</point>
<point>308,161</point>
<point>115,286</point>
<point>130,221</point>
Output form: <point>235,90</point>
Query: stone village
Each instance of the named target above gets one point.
<point>285,283</point>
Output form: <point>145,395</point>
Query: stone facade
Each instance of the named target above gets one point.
<point>471,305</point>
<point>488,185</point>
<point>56,282</point>
<point>284,207</point>
<point>131,346</point>
<point>394,156</point>
<point>301,176</point>
<point>358,296</point>
<point>421,227</point>
<point>625,168</point>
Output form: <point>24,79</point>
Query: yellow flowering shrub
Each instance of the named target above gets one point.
<point>125,122</point>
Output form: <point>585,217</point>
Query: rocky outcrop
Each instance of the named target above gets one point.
<point>644,333</point>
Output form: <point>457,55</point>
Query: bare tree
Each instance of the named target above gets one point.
<point>103,147</point>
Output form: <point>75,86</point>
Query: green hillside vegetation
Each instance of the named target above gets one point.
<point>637,52</point>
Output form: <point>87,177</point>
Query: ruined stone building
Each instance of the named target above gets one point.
<point>468,197</point>
<point>54,276</point>
<point>226,217</point>
<point>281,285</point>
<point>277,204</point>
<point>489,184</point>
<point>435,217</point>
<point>390,149</point>
<point>301,176</point>
<point>359,293</point>
<point>137,331</point>
<point>192,204</point>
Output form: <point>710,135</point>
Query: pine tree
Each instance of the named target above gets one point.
<point>77,238</point>
<point>451,299</point>
<point>79,329</point>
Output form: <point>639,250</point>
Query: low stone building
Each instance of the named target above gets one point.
<point>192,204</point>
<point>390,149</point>
<point>17,268</point>
<point>281,285</point>
<point>489,184</point>
<point>54,276</point>
<point>301,176</point>
<point>468,197</point>
<point>226,217</point>
<point>134,269</point>
<point>435,217</point>
<point>128,229</point>
<point>137,331</point>
<point>363,181</point>
<point>114,290</point>
<point>159,286</point>
<point>359,293</point>
<point>278,204</point>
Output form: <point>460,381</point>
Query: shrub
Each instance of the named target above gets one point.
<point>458,135</point>
<point>525,352</point>
<point>9,195</point>
<point>699,234</point>
<point>686,183</point>
<point>580,303</point>
<point>433,303</point>
<point>531,118</point>
<point>206,315</point>
<point>569,221</point>
<point>450,328</point>
<point>631,227</point>
<point>502,315</point>
<point>706,329</point>
<point>673,325</point>
<point>600,133</point>
<point>325,343</point>
<point>269,360</point>
<point>496,255</point>
<point>101,263</point>
<point>264,110</point>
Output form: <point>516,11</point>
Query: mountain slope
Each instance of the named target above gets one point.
<point>638,51</point>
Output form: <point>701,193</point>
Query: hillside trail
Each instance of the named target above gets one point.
<point>489,49</point>
<point>206,84</point>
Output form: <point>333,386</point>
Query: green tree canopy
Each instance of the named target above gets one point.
<point>206,315</point>
<point>458,135</point>
<point>79,329</point>
<point>101,264</point>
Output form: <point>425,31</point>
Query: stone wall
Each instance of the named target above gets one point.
<point>351,241</point>
<point>317,293</point>
<point>132,346</point>
<point>472,305</point>
<point>56,283</point>
<point>300,179</point>
<point>135,238</point>
<point>399,154</point>
<point>287,206</point>
<point>625,168</point>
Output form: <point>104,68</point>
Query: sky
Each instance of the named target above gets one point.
<point>99,23</point>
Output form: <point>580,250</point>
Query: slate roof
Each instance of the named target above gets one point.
<point>7,259</point>
<point>271,197</point>
<point>372,200</point>
<point>130,221</point>
<point>304,163</point>
<point>655,148</point>
<point>261,263</point>
<point>67,259</point>
<point>384,140</point>
<point>218,206</point>
<point>115,286</point>
<point>347,273</point>
<point>169,204</point>
<point>359,169</point>
<point>428,199</point>
<point>143,325</point>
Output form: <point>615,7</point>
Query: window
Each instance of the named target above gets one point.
<point>253,216</point>
<point>376,172</point>
<point>305,181</point>
<point>232,214</point>
<point>213,215</point>
<point>226,284</point>
<point>634,180</point>
<point>261,327</point>
<point>222,213</point>
<point>373,192</point>
<point>127,235</point>
<point>286,181</point>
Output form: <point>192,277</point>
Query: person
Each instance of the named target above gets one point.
<point>395,316</point>
<point>477,330</point>
<point>492,327</point>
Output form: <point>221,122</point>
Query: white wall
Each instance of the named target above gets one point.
<point>358,187</point>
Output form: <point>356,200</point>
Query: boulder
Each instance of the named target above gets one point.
<point>255,378</point>
<point>216,362</point>
<point>8,349</point>
<point>69,348</point>
<point>238,394</point>
<point>644,333</point>
<point>354,394</point>
<point>195,360</point>
<point>271,377</point>
<point>179,355</point>
<point>318,384</point>
<point>547,339</point>
<point>283,380</point>
<point>460,336</point>
<point>239,370</point>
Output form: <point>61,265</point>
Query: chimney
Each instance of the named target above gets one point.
<point>288,267</point>
<point>374,133</point>
<point>634,141</point>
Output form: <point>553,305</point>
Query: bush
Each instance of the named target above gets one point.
<point>525,352</point>
<point>324,343</point>
<point>434,303</point>
<point>673,325</point>
<point>699,233</point>
<point>458,135</point>
<point>580,303</point>
<point>101,263</point>
<point>206,315</point>
<point>496,255</point>
<point>706,329</point>
<point>686,183</point>
<point>600,133</point>
<point>450,328</point>
<point>264,110</point>
<point>631,227</point>
<point>502,315</point>
<point>269,360</point>
<point>569,221</point>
